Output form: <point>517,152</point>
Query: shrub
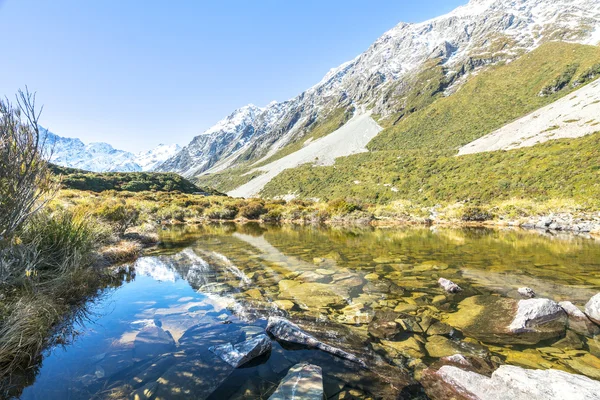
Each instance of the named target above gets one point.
<point>476,214</point>
<point>340,206</point>
<point>119,214</point>
<point>63,240</point>
<point>221,212</point>
<point>253,210</point>
<point>24,175</point>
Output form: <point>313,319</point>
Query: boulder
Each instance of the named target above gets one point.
<point>241,353</point>
<point>592,308</point>
<point>526,292</point>
<point>578,321</point>
<point>286,331</point>
<point>533,314</point>
<point>449,286</point>
<point>503,320</point>
<point>508,383</point>
<point>302,382</point>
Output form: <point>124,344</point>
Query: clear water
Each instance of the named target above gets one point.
<point>215,284</point>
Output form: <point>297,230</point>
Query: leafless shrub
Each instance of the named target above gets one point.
<point>25,179</point>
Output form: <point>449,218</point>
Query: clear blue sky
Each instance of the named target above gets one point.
<point>139,73</point>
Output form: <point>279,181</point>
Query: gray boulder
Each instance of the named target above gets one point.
<point>449,286</point>
<point>592,308</point>
<point>508,383</point>
<point>241,353</point>
<point>526,292</point>
<point>286,331</point>
<point>302,382</point>
<point>578,321</point>
<point>502,320</point>
<point>534,313</point>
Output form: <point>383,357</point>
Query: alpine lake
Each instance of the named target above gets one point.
<point>372,292</point>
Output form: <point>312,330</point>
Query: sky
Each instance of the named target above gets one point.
<point>136,73</point>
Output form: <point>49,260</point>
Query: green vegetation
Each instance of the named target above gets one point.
<point>489,100</point>
<point>126,181</point>
<point>563,169</point>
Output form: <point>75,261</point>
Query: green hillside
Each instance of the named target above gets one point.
<point>414,157</point>
<point>491,99</point>
<point>566,169</point>
<point>127,181</point>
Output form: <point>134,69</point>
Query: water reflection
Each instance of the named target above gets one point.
<point>217,284</point>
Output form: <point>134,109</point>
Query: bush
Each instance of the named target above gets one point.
<point>221,212</point>
<point>340,206</point>
<point>63,240</point>
<point>253,210</point>
<point>476,214</point>
<point>119,214</point>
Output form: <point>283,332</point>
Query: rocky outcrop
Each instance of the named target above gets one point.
<point>503,320</point>
<point>592,308</point>
<point>303,382</point>
<point>508,383</point>
<point>241,353</point>
<point>286,331</point>
<point>578,321</point>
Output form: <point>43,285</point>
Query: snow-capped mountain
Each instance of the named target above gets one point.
<point>472,36</point>
<point>102,157</point>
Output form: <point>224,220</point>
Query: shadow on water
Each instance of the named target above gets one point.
<point>216,284</point>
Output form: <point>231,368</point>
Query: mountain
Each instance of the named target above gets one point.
<point>404,71</point>
<point>102,157</point>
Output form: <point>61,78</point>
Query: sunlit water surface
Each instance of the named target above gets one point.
<point>211,285</point>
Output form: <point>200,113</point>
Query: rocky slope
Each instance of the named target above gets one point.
<point>472,36</point>
<point>569,117</point>
<point>102,157</point>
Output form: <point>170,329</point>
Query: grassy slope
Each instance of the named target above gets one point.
<point>416,155</point>
<point>567,168</point>
<point>130,181</point>
<point>489,100</point>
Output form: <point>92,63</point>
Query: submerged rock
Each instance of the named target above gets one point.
<point>578,321</point>
<point>449,286</point>
<point>508,383</point>
<point>592,308</point>
<point>152,341</point>
<point>302,382</point>
<point>194,377</point>
<point>384,325</point>
<point>286,331</point>
<point>146,392</point>
<point>526,292</point>
<point>503,320</point>
<point>312,295</point>
<point>241,353</point>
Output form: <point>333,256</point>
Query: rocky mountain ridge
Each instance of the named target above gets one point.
<point>102,157</point>
<point>477,34</point>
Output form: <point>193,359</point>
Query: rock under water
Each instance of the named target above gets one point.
<point>284,330</point>
<point>303,382</point>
